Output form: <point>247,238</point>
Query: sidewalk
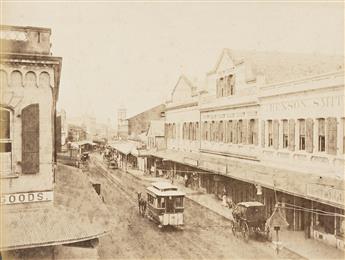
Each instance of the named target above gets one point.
<point>292,240</point>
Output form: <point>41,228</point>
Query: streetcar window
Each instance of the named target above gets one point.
<point>179,202</point>
<point>161,203</point>
<point>150,199</point>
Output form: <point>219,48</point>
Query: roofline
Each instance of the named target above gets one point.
<point>55,243</point>
<point>24,28</point>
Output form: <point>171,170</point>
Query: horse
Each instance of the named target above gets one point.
<point>141,204</point>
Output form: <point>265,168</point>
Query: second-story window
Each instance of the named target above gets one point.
<point>5,142</point>
<point>301,134</point>
<point>270,133</point>
<point>240,131</point>
<point>285,134</point>
<point>321,135</point>
<point>251,133</point>
<point>230,131</point>
<point>221,131</point>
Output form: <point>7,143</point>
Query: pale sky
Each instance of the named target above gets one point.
<point>131,54</point>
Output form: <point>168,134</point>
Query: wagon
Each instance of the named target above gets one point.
<point>165,204</point>
<point>249,218</point>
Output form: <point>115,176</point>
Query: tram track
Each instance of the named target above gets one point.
<point>172,237</point>
<point>205,234</point>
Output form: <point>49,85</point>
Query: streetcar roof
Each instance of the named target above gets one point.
<point>164,186</point>
<point>164,189</point>
<point>251,204</point>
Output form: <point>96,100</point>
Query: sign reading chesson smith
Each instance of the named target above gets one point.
<point>26,197</point>
<point>326,193</point>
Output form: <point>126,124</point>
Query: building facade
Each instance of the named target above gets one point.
<point>269,128</point>
<point>37,217</point>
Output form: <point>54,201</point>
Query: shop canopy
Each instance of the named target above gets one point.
<point>125,148</point>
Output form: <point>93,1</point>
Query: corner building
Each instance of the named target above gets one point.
<point>38,196</point>
<point>267,127</point>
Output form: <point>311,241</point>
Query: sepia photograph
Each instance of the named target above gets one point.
<point>172,129</point>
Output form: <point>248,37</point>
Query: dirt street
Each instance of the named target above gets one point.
<point>206,235</point>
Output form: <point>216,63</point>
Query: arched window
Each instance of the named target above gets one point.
<point>221,131</point>
<point>6,139</point>
<point>174,131</point>
<point>16,79</point>
<point>190,135</point>
<point>44,80</point>
<point>197,131</point>
<point>30,79</point>
<point>3,79</point>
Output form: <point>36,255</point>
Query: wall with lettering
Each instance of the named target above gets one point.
<point>314,104</point>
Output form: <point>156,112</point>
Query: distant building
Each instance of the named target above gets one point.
<point>140,123</point>
<point>122,124</point>
<point>76,133</point>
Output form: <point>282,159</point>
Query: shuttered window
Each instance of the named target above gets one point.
<point>343,122</point>
<point>255,131</point>
<point>285,134</point>
<point>321,135</point>
<point>251,131</point>
<point>301,124</point>
<point>190,131</point>
<point>244,131</point>
<point>230,131</point>
<point>291,134</point>
<point>331,135</point>
<point>30,139</point>
<point>309,135</point>
<point>270,133</point>
<point>197,131</point>
<point>206,131</point>
<point>174,131</point>
<point>240,131</point>
<point>275,134</point>
<point>235,131</point>
<point>221,131</point>
<point>263,133</point>
<point>5,141</point>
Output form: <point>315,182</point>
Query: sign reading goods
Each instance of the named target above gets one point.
<point>326,193</point>
<point>26,197</point>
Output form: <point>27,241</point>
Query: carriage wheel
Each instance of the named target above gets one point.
<point>245,231</point>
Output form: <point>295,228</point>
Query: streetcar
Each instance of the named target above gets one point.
<point>250,218</point>
<point>165,204</point>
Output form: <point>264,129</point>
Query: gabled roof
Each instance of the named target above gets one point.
<point>189,83</point>
<point>281,66</point>
<point>156,128</point>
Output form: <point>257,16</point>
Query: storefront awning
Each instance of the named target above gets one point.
<point>77,214</point>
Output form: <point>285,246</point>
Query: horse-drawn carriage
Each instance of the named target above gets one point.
<point>165,204</point>
<point>249,218</point>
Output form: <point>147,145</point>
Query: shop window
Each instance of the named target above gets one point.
<point>270,133</point>
<point>5,141</point>
<point>321,135</point>
<point>301,134</point>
